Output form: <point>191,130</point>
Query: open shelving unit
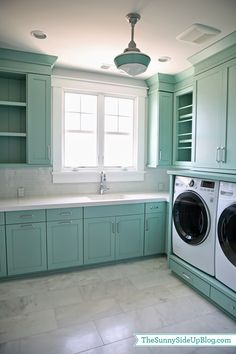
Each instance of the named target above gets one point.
<point>13,115</point>
<point>184,127</point>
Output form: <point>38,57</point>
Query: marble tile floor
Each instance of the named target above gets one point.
<point>98,310</point>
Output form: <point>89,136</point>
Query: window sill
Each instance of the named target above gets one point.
<point>89,177</point>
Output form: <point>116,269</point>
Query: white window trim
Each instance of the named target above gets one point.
<point>62,84</point>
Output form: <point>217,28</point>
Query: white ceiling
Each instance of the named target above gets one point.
<point>85,34</point>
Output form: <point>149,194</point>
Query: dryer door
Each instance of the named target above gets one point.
<point>227,233</point>
<point>191,218</point>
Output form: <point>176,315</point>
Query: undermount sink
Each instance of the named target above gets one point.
<point>107,196</point>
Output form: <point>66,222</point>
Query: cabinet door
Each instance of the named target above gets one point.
<point>154,234</point>
<point>129,236</point>
<point>210,118</point>
<point>39,119</point>
<point>26,248</point>
<point>64,243</point>
<point>3,270</point>
<point>230,156</point>
<point>99,240</point>
<point>160,116</point>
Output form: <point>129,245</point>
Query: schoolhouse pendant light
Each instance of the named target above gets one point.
<point>132,61</point>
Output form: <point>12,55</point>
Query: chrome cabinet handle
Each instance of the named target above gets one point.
<point>65,222</point>
<point>117,228</point>
<point>223,154</point>
<point>25,216</point>
<point>146,226</point>
<point>113,227</point>
<point>186,276</point>
<point>27,225</point>
<point>160,155</point>
<point>218,154</point>
<point>65,213</point>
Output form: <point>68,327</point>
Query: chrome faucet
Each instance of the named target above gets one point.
<point>103,187</point>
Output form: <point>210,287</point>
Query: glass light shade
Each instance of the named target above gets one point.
<point>133,63</point>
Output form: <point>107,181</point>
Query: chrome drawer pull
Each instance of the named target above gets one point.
<point>154,207</point>
<point>27,225</point>
<point>146,226</point>
<point>65,213</point>
<point>65,222</point>
<point>26,216</point>
<point>187,276</point>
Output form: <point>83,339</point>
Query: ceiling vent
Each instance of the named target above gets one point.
<point>198,34</point>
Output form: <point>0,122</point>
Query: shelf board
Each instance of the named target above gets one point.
<point>184,147</point>
<point>9,134</point>
<point>184,107</point>
<point>185,116</point>
<point>184,121</point>
<point>184,134</point>
<point>185,141</point>
<point>12,104</point>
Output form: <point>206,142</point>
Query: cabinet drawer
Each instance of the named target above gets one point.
<point>64,214</point>
<point>155,207</point>
<point>24,216</point>
<point>113,210</point>
<point>224,301</point>
<point>1,218</point>
<point>190,278</point>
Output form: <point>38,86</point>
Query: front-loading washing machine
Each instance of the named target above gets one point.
<point>194,219</point>
<point>225,258</point>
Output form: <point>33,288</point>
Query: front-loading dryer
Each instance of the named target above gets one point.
<point>194,219</point>
<point>225,259</point>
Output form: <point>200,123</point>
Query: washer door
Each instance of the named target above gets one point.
<point>190,216</point>
<point>227,233</point>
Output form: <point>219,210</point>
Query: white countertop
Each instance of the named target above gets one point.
<point>80,200</point>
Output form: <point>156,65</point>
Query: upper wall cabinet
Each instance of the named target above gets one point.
<point>215,117</point>
<point>25,108</point>
<point>183,128</point>
<point>160,112</point>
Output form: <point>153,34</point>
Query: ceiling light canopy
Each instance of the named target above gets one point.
<point>132,61</point>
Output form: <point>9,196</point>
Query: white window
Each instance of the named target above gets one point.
<point>97,127</point>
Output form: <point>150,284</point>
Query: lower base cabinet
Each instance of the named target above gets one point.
<point>99,240</point>
<point>107,239</point>
<point>64,243</point>
<point>210,287</point>
<point>155,221</point>
<point>114,236</point>
<point>3,268</point>
<point>26,248</point>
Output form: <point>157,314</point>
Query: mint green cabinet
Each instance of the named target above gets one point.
<point>25,107</point>
<point>155,232</point>
<point>64,243</point>
<point>3,269</point>
<point>210,117</point>
<point>215,117</point>
<point>39,119</point>
<point>160,122</point>
<point>13,113</point>
<point>64,237</point>
<point>129,236</point>
<point>113,232</point>
<point>183,130</point>
<point>99,240</point>
<point>26,248</point>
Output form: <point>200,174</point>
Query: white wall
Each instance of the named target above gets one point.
<point>38,182</point>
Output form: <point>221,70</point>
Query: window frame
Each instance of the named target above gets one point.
<point>60,85</point>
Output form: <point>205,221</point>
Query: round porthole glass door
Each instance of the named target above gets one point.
<point>227,233</point>
<point>190,216</point>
